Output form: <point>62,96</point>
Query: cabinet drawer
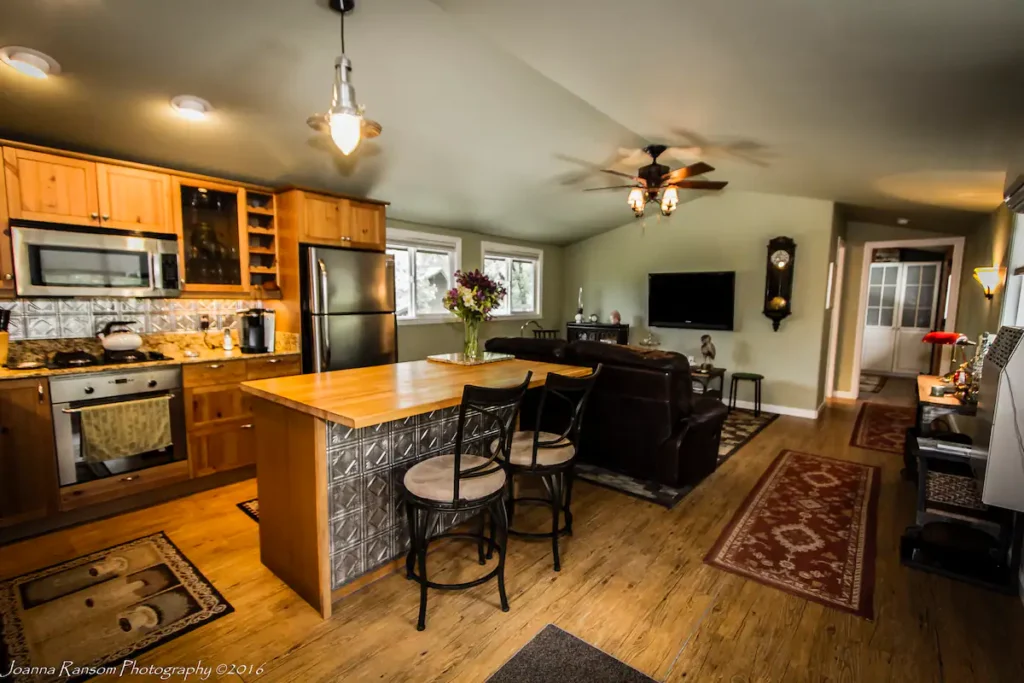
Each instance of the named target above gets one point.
<point>226,447</point>
<point>262,368</point>
<point>112,488</point>
<point>213,404</point>
<point>217,372</point>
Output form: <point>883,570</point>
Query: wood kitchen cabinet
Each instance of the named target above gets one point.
<point>28,465</point>
<point>47,187</point>
<point>210,220</point>
<point>6,256</point>
<point>134,199</point>
<point>218,416</point>
<point>333,221</point>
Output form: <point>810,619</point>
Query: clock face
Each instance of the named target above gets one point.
<point>780,259</point>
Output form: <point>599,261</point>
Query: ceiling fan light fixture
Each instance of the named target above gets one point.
<point>636,200</point>
<point>669,201</point>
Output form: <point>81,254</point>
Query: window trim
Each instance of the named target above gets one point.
<point>413,239</point>
<point>500,249</point>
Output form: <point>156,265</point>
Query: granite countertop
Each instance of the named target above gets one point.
<point>173,345</point>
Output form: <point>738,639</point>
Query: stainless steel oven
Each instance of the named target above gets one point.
<point>70,393</point>
<point>58,261</point>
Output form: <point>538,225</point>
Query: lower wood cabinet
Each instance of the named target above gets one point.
<point>28,465</point>
<point>218,416</point>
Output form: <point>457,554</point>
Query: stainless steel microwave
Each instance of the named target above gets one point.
<point>50,261</point>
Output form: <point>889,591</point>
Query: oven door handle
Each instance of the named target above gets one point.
<point>69,411</point>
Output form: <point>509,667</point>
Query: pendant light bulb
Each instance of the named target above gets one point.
<point>345,118</point>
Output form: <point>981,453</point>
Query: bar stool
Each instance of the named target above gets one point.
<point>551,456</point>
<point>734,385</point>
<point>465,482</point>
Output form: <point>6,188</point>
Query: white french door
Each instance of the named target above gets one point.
<point>900,310</point>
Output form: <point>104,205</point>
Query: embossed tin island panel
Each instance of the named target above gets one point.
<point>366,468</point>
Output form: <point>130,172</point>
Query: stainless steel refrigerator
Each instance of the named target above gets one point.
<point>348,308</point>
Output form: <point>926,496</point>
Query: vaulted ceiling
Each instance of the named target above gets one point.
<point>492,110</point>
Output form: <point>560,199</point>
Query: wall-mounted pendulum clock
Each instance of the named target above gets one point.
<point>778,286</point>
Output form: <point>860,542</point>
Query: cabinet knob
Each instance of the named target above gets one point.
<point>215,366</point>
<point>94,216</point>
<point>8,276</point>
<point>105,217</point>
<point>274,360</point>
<point>248,426</point>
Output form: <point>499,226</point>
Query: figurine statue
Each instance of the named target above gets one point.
<point>615,318</point>
<point>707,349</point>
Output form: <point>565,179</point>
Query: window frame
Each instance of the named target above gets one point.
<point>400,238</point>
<point>511,251</point>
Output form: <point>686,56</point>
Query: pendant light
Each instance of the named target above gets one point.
<point>344,121</point>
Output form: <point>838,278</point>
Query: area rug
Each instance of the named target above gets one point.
<point>651,491</point>
<point>871,384</point>
<point>251,508</point>
<point>555,655</point>
<point>83,617</point>
<point>808,528</point>
<point>880,427</point>
<point>740,427</point>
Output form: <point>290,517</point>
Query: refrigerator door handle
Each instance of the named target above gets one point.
<point>326,345</point>
<point>389,267</point>
<point>317,350</point>
<point>323,284</point>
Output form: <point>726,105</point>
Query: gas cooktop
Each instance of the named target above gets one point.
<point>78,359</point>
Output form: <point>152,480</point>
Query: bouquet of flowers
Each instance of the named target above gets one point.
<point>471,300</point>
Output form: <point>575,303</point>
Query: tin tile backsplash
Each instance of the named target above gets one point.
<point>73,318</point>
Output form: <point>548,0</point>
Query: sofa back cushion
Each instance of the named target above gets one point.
<point>541,350</point>
<point>648,374</point>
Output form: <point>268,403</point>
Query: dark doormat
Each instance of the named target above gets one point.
<point>651,491</point>
<point>554,655</point>
<point>83,617</point>
<point>251,508</point>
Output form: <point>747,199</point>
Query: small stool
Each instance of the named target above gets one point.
<point>733,385</point>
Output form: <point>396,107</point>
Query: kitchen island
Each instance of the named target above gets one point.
<point>332,449</point>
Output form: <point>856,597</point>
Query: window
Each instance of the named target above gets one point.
<point>520,269</point>
<point>425,266</point>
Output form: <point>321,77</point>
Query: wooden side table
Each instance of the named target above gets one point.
<point>706,377</point>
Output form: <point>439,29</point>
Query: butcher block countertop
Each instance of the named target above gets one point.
<point>367,396</point>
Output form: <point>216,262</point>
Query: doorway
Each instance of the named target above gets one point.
<point>904,357</point>
<point>901,308</point>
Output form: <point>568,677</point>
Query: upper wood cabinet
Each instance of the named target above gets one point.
<point>6,256</point>
<point>28,465</point>
<point>366,224</point>
<point>47,187</point>
<point>334,221</point>
<point>213,240</point>
<point>56,189</point>
<point>134,199</point>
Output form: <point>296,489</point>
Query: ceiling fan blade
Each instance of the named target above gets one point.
<point>699,168</point>
<point>371,128</point>
<point>319,123</point>
<point>700,184</point>
<point>613,187</point>
<point>619,173</point>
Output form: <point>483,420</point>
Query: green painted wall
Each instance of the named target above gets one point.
<point>729,231</point>
<point>416,342</point>
<point>989,245</point>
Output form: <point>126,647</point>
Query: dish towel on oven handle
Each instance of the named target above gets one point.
<point>121,430</point>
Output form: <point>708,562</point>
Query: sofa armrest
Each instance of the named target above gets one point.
<point>692,450</point>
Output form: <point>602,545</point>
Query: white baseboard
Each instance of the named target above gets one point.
<point>781,410</point>
<point>845,394</point>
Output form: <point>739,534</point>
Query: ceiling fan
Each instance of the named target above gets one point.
<point>656,179</point>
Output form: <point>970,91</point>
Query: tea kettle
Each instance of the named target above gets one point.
<point>117,336</point>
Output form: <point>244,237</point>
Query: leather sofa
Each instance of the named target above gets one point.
<point>642,420</point>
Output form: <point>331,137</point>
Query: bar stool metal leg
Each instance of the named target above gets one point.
<point>498,511</point>
<point>570,475</point>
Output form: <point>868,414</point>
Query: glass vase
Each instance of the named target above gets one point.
<point>471,342</point>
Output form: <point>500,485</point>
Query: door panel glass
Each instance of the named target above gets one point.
<point>874,296</point>
<point>892,274</point>
<point>889,296</point>
<point>908,317</point>
<point>886,317</point>
<point>913,275</point>
<point>876,275</point>
<point>210,232</point>
<point>928,274</point>
<point>872,316</point>
<point>924,318</point>
<point>84,267</point>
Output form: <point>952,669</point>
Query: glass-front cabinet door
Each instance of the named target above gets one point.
<point>210,220</point>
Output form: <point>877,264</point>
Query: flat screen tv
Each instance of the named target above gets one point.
<point>699,301</point>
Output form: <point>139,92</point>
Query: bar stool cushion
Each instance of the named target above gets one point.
<point>434,479</point>
<point>747,375</point>
<point>522,450</point>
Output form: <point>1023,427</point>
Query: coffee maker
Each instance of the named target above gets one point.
<point>256,330</point>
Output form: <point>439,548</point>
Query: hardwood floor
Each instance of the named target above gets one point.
<point>633,583</point>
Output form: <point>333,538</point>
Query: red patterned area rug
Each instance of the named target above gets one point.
<point>882,428</point>
<point>808,528</point>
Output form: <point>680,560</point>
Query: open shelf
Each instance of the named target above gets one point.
<point>263,270</point>
<point>260,211</point>
<point>262,231</point>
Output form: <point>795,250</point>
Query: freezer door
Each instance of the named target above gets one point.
<point>353,341</point>
<point>348,281</point>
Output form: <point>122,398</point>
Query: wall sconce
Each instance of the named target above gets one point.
<point>989,278</point>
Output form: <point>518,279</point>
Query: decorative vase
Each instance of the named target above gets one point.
<point>471,342</point>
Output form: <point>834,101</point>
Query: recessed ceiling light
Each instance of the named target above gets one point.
<point>191,107</point>
<point>902,221</point>
<point>29,62</point>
